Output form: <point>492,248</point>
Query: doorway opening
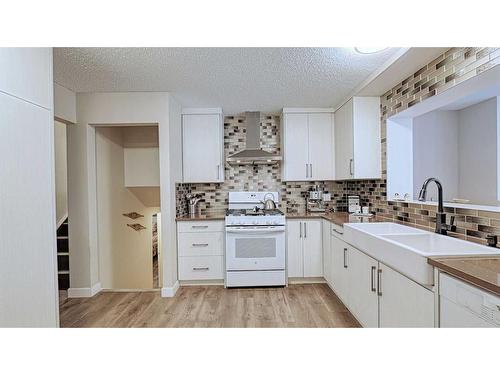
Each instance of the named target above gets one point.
<point>128,206</point>
<point>61,199</point>
<point>156,250</point>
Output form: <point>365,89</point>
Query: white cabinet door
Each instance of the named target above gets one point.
<point>340,274</point>
<point>312,248</point>
<point>321,149</point>
<point>27,74</point>
<point>202,150</point>
<point>327,251</point>
<point>363,288</point>
<point>366,137</point>
<point>344,144</point>
<point>294,233</point>
<point>402,302</point>
<point>295,147</point>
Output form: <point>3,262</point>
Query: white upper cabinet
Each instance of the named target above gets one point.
<point>27,74</point>
<point>357,139</point>
<point>308,144</point>
<point>295,147</point>
<point>202,145</point>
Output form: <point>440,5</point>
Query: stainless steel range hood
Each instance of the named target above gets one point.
<point>253,154</point>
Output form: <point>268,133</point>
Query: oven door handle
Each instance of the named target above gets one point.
<point>255,231</point>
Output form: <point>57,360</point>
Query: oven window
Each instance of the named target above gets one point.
<point>255,247</point>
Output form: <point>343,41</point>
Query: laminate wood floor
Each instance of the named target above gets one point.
<point>305,305</point>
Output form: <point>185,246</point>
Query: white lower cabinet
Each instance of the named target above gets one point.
<point>362,280</point>
<point>327,251</point>
<point>340,275</point>
<point>304,248</point>
<point>377,295</point>
<point>403,302</point>
<point>200,250</point>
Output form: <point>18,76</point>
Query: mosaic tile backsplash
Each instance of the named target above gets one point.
<point>449,69</point>
<point>255,178</point>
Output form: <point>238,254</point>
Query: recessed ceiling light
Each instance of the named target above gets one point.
<point>368,50</point>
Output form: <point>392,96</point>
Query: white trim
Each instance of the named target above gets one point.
<point>202,111</point>
<point>84,292</point>
<point>170,291</point>
<point>307,110</point>
<point>62,220</point>
<point>202,282</point>
<point>132,290</point>
<point>306,280</point>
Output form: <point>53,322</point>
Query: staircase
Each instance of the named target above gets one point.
<point>63,256</point>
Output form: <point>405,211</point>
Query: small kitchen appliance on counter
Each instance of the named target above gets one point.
<point>314,200</point>
<point>255,241</point>
<point>353,205</point>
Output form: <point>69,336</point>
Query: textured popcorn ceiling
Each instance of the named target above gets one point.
<point>236,79</point>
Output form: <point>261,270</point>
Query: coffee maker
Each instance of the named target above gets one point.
<point>314,200</point>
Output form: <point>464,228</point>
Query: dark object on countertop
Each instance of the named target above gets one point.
<point>492,240</point>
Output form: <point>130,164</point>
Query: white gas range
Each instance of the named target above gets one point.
<point>255,241</point>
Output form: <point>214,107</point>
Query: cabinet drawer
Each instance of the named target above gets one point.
<point>201,226</point>
<point>201,268</point>
<point>200,244</point>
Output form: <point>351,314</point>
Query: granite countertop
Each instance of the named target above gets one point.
<point>482,271</point>
<point>339,218</point>
<point>211,215</point>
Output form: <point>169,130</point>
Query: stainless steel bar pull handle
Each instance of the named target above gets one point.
<point>337,231</point>
<point>201,268</point>
<point>373,278</point>
<point>300,226</point>
<point>199,226</point>
<point>307,171</point>
<point>350,167</point>
<point>305,230</point>
<point>345,257</point>
<point>218,171</point>
<point>310,170</point>
<point>200,244</point>
<point>379,282</point>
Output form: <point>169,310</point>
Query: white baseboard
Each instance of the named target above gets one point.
<point>84,292</point>
<point>202,282</point>
<point>170,291</point>
<point>133,290</point>
<point>306,280</point>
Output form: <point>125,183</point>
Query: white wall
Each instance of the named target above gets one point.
<point>61,171</point>
<point>64,104</point>
<point>28,279</point>
<point>435,152</point>
<point>478,152</point>
<point>119,108</point>
<point>142,166</point>
<point>399,158</point>
<point>125,255</point>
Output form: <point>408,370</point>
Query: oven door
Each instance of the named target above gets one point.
<point>255,248</point>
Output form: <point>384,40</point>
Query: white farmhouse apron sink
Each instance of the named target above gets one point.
<point>406,249</point>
